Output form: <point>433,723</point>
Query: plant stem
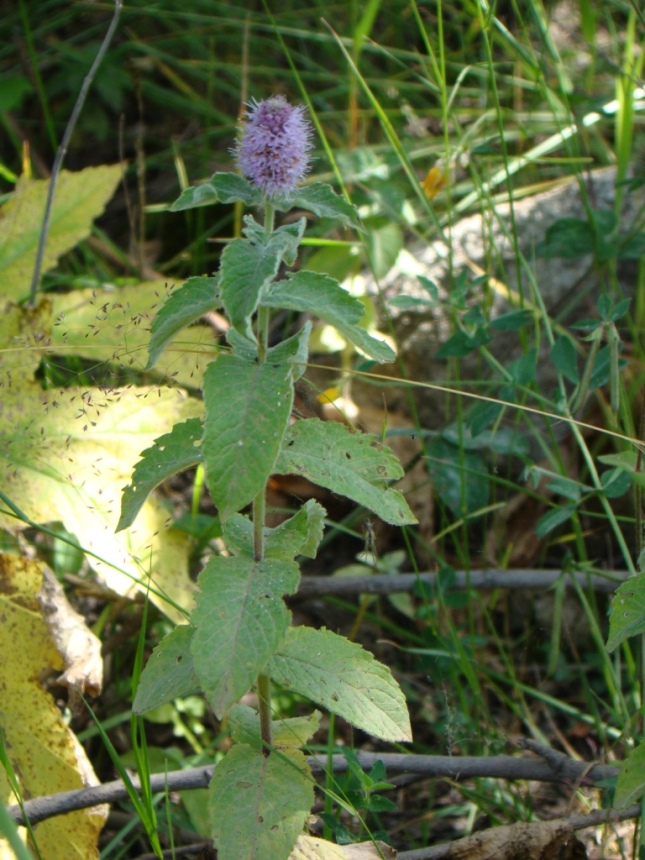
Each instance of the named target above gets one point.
<point>259,514</point>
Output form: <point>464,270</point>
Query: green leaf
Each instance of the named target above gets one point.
<point>460,477</point>
<point>247,412</point>
<point>169,673</point>
<point>240,619</point>
<point>627,614</point>
<point>222,188</point>
<point>615,482</point>
<point>345,679</point>
<point>323,201</point>
<point>461,343</point>
<point>567,487</point>
<point>291,733</point>
<point>249,265</point>
<point>171,453</point>
<point>184,307</point>
<point>553,518</point>
<point>259,804</point>
<point>299,535</point>
<point>563,355</point>
<point>630,786</point>
<point>294,349</point>
<point>80,198</point>
<point>384,241</point>
<point>350,464</point>
<point>322,296</point>
<point>511,321</point>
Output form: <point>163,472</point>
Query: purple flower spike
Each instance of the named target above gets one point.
<point>273,148</point>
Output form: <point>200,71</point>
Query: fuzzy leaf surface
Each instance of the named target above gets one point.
<point>322,200</point>
<point>80,198</point>
<point>240,620</point>
<point>259,803</point>
<point>299,535</point>
<point>347,463</point>
<point>247,412</point>
<point>630,786</point>
<point>291,733</point>
<point>183,307</point>
<point>323,296</point>
<point>249,265</point>
<point>345,679</point>
<point>171,453</point>
<point>627,614</point>
<point>169,673</point>
<point>222,188</point>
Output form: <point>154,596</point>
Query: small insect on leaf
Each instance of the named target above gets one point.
<point>435,181</point>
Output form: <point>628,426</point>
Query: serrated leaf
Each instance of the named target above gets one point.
<point>249,265</point>
<point>222,188</point>
<point>323,201</point>
<point>248,408</point>
<point>316,293</point>
<point>80,198</point>
<point>345,679</point>
<point>182,308</point>
<point>630,786</point>
<point>291,733</point>
<point>299,535</point>
<point>240,619</point>
<point>259,804</point>
<point>627,614</point>
<point>169,673</point>
<point>350,464</point>
<point>171,453</point>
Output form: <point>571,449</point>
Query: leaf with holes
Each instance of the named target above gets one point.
<point>350,464</point>
<point>240,620</point>
<point>170,454</point>
<point>259,804</point>
<point>345,679</point>
<point>627,615</point>
<point>169,673</point>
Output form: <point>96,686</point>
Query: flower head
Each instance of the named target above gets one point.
<point>274,143</point>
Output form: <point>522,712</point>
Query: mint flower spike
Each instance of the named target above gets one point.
<point>274,144</point>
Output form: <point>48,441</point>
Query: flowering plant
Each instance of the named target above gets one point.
<point>239,633</point>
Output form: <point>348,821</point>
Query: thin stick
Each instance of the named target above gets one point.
<point>62,149</point>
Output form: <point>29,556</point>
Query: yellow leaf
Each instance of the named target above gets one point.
<point>44,752</point>
<point>79,199</point>
<point>435,181</point>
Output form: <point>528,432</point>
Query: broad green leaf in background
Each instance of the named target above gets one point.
<point>346,463</point>
<point>259,804</point>
<point>182,308</point>
<point>291,733</point>
<point>64,456</point>
<point>24,338</point>
<point>629,461</point>
<point>299,535</point>
<point>244,427</point>
<point>80,198</point>
<point>169,673</point>
<point>240,619</point>
<point>460,476</point>
<point>322,296</point>
<point>323,201</point>
<point>170,454</point>
<point>627,614</point>
<point>630,786</point>
<point>249,265</point>
<point>113,326</point>
<point>222,188</point>
<point>563,356</point>
<point>345,679</point>
<point>44,753</point>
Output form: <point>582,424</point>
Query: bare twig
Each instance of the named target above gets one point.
<point>453,767</point>
<point>62,149</point>
<point>380,583</point>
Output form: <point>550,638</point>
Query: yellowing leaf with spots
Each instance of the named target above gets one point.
<point>44,752</point>
<point>79,199</point>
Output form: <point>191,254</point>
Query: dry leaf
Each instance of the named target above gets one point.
<point>314,848</point>
<point>75,642</point>
<point>541,840</point>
